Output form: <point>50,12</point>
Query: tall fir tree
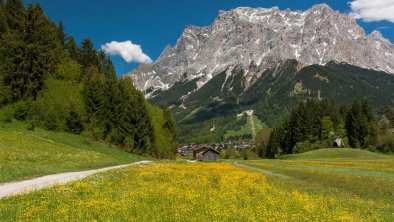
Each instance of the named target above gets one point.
<point>169,124</point>
<point>43,51</point>
<point>15,13</point>
<point>63,37</point>
<point>353,117</point>
<point>72,49</point>
<point>93,94</point>
<point>89,55</point>
<point>13,53</point>
<point>3,19</point>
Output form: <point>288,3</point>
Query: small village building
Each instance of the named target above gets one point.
<point>206,153</point>
<point>338,142</point>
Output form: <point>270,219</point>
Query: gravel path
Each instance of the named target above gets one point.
<point>13,188</point>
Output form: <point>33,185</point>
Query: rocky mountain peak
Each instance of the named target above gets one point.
<point>259,38</point>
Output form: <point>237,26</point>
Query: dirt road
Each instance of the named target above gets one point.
<point>13,188</point>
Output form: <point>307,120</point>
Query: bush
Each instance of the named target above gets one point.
<point>386,144</point>
<point>30,125</point>
<point>6,114</point>
<point>21,110</point>
<point>302,147</point>
<point>57,103</point>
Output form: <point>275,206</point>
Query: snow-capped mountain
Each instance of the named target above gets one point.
<point>256,39</point>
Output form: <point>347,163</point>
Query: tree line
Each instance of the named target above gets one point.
<point>49,80</point>
<point>315,124</point>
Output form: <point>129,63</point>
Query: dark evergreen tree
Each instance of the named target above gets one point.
<point>15,13</point>
<point>273,143</point>
<point>43,49</point>
<point>13,53</point>
<point>62,34</point>
<point>135,120</point>
<point>3,19</point>
<point>72,48</point>
<point>88,55</point>
<point>372,139</point>
<point>367,110</point>
<point>93,94</point>
<point>106,65</point>
<point>169,124</point>
<point>352,124</point>
<point>74,123</point>
<point>388,113</point>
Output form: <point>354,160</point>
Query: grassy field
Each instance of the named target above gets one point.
<point>338,189</point>
<point>26,154</point>
<point>247,129</point>
<point>335,154</point>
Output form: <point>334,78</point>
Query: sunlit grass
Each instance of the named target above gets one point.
<point>25,154</point>
<point>202,192</point>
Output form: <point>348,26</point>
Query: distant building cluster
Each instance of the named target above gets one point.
<point>210,151</point>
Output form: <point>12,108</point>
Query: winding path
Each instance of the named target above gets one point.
<point>13,188</point>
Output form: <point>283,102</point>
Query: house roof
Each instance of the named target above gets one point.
<point>210,149</point>
<point>200,149</point>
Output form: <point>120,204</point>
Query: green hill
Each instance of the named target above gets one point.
<point>26,154</point>
<point>334,153</point>
<point>272,95</point>
<point>248,131</point>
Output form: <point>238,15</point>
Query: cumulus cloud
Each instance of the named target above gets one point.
<point>127,50</point>
<point>372,10</point>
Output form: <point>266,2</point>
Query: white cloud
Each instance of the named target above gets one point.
<point>372,10</point>
<point>382,27</point>
<point>127,50</point>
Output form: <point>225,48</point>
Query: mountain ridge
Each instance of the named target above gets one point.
<point>259,38</point>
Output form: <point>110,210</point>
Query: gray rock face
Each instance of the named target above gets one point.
<point>259,38</point>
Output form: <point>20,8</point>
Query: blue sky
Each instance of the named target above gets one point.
<point>155,23</point>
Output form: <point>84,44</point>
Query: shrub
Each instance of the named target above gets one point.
<point>6,114</point>
<point>30,125</point>
<point>21,110</point>
<point>386,144</point>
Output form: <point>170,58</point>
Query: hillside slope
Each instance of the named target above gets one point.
<point>272,95</point>
<point>26,154</point>
<point>331,153</point>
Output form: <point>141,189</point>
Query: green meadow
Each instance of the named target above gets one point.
<point>323,185</point>
<point>31,153</point>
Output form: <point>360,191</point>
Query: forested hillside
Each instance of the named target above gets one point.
<point>315,124</point>
<point>49,80</point>
<point>272,95</point>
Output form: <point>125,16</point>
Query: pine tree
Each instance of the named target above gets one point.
<point>15,13</point>
<point>3,19</point>
<point>367,110</point>
<point>113,102</point>
<point>72,48</point>
<point>13,53</point>
<point>388,112</point>
<point>93,95</point>
<point>352,124</point>
<point>43,51</point>
<point>106,65</point>
<point>273,143</point>
<point>62,34</point>
<point>169,124</point>
<point>372,139</point>
<point>88,57</point>
<point>74,122</point>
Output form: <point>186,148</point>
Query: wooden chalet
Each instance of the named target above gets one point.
<point>206,153</point>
